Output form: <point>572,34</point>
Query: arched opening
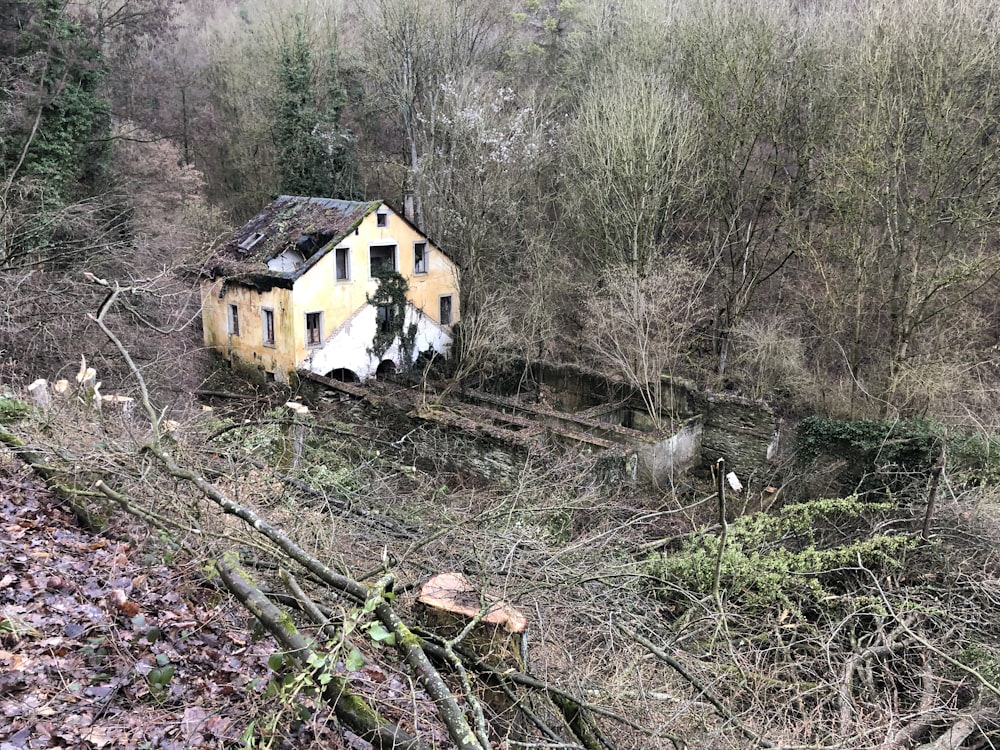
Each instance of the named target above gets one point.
<point>386,369</point>
<point>344,375</point>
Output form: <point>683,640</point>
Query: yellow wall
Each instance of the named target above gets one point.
<point>317,290</point>
<point>249,345</point>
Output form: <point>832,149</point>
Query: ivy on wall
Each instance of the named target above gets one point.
<point>389,301</point>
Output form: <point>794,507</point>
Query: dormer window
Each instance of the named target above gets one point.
<point>252,240</point>
<point>382,219</point>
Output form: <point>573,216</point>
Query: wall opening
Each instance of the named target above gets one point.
<point>343,375</point>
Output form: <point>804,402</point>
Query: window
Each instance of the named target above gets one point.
<point>385,316</point>
<point>234,320</point>
<point>343,261</point>
<point>314,328</point>
<point>382,219</point>
<point>252,240</point>
<point>419,257</point>
<point>382,257</point>
<point>444,310</point>
<point>267,317</point>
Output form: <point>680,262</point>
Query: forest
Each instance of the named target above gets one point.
<point>793,204</point>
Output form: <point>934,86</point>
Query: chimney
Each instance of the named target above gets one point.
<point>408,208</point>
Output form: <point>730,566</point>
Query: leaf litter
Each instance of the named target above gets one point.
<point>101,645</point>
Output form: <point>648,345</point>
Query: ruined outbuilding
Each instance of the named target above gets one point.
<point>289,290</point>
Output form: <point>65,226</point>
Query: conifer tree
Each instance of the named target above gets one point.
<point>54,93</point>
<point>314,151</point>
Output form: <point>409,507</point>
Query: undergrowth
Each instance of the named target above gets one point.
<point>796,560</point>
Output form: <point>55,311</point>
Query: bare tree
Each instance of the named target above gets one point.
<point>640,326</point>
<point>905,235</point>
<point>631,150</point>
<point>755,74</point>
<point>408,50</point>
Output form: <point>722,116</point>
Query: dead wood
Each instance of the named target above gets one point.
<point>580,723</point>
<point>932,492</point>
<point>956,735</point>
<point>702,689</point>
<point>202,393</point>
<point>406,643</point>
<point>337,501</point>
<point>349,708</point>
<point>891,645</point>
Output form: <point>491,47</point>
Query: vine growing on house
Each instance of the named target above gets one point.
<point>389,301</point>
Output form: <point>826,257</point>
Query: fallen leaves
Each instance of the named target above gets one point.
<point>83,626</point>
<point>101,646</point>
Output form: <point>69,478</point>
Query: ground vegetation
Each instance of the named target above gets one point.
<point>792,203</point>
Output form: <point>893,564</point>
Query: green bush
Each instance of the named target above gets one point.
<point>884,455</point>
<point>12,410</point>
<point>794,560</point>
<point>878,455</point>
<point>974,458</point>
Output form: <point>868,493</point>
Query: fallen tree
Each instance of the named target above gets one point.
<point>424,655</point>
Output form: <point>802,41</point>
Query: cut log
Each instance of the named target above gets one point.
<point>490,631</point>
<point>452,592</point>
<point>297,432</point>
<point>86,378</point>
<point>125,404</point>
<point>39,391</point>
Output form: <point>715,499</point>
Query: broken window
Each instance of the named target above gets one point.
<point>444,310</point>
<point>382,219</point>
<point>268,326</point>
<point>314,329</point>
<point>234,320</point>
<point>308,244</point>
<point>419,257</point>
<point>343,262</point>
<point>383,258</point>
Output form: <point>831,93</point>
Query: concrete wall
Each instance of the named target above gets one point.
<point>348,346</point>
<point>745,432</point>
<point>661,461</point>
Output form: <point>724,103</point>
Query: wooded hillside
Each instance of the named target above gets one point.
<point>813,189</point>
<point>788,202</point>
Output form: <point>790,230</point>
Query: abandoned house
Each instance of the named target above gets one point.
<point>290,290</point>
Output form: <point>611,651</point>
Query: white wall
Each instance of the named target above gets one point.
<point>348,346</point>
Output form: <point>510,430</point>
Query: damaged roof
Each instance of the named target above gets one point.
<point>312,227</point>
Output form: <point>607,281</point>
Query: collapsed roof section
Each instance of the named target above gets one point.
<point>284,240</point>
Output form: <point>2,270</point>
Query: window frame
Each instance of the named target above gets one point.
<point>385,316</point>
<point>234,319</point>
<point>319,329</point>
<point>420,268</point>
<point>382,219</point>
<point>268,326</point>
<point>451,309</point>
<point>347,264</point>
<point>395,257</point>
